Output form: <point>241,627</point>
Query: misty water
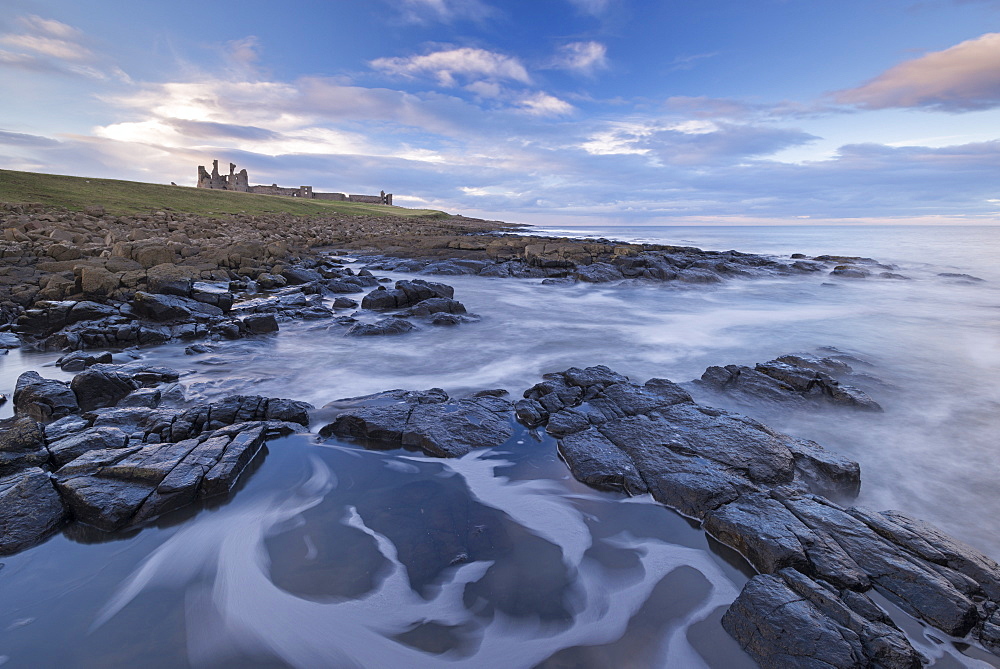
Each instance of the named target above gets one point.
<point>330,555</point>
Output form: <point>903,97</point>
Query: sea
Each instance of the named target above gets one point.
<point>329,555</point>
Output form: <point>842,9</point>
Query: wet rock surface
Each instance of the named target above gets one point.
<point>118,446</point>
<point>768,496</point>
<point>803,380</point>
<point>429,420</point>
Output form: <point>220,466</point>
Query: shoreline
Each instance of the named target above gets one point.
<point>251,291</point>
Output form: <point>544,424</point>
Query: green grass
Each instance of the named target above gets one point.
<point>132,197</point>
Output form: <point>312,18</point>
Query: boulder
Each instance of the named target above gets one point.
<point>30,510</point>
<point>428,420</point>
<point>788,620</point>
<point>98,282</point>
<point>599,272</point>
<point>163,308</point>
<point>214,294</point>
<point>344,303</point>
<point>80,360</point>
<point>298,275</point>
<point>260,324</point>
<point>22,444</point>
<point>405,294</point>
<point>43,399</point>
<point>105,385</point>
<point>790,379</point>
<point>170,279</point>
<point>435,305</point>
<point>386,326</point>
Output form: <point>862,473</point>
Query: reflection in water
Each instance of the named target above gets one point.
<point>235,609</point>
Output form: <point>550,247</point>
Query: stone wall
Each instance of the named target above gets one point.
<point>370,199</point>
<point>275,189</point>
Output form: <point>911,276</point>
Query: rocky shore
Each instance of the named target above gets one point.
<point>86,280</point>
<point>119,445</point>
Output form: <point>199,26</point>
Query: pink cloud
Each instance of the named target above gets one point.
<point>964,77</point>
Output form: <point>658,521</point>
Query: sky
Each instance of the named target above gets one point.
<point>558,112</point>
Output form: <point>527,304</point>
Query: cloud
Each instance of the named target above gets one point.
<point>693,142</point>
<point>687,62</point>
<point>244,53</point>
<point>465,62</point>
<point>964,77</point>
<point>582,57</point>
<point>21,139</point>
<point>38,25</point>
<point>445,11</point>
<point>46,45</point>
<point>543,104</point>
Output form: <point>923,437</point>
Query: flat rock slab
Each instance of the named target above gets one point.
<point>428,420</point>
<point>113,493</point>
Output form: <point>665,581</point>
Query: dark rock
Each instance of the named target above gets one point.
<point>965,278</point>
<point>750,487</point>
<point>22,444</point>
<point>142,397</point>
<point>164,308</point>
<point>261,324</point>
<point>89,311</point>
<point>43,399</point>
<point>111,490</point>
<point>93,439</point>
<point>344,303</point>
<point>599,272</point>
<point>800,379</point>
<point>30,510</point>
<point>106,385</point>
<point>336,286</point>
<point>290,411</point>
<point>850,272</point>
<point>788,620</point>
<point>299,275</point>
<point>435,305</point>
<point>429,421</point>
<point>386,326</point>
<point>405,294</point>
<point>79,360</point>
<point>443,319</point>
<point>214,294</point>
<point>64,427</point>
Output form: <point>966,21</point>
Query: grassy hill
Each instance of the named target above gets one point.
<point>132,197</point>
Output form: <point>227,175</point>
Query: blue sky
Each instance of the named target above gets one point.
<point>546,111</point>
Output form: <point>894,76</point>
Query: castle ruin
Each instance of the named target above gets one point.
<point>240,182</point>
